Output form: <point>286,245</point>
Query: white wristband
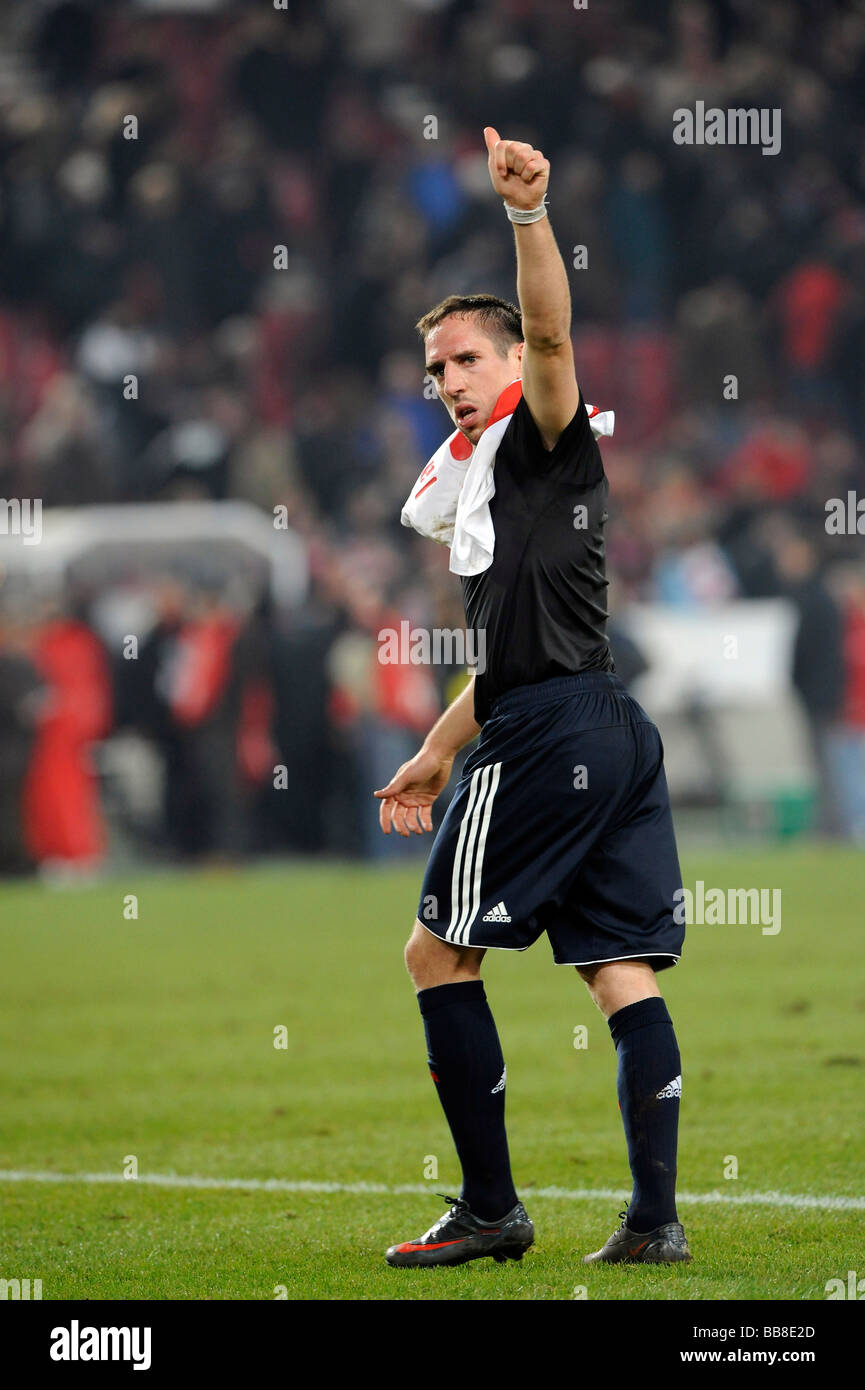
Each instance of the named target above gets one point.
<point>523,215</point>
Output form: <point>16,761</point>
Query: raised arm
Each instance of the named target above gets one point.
<point>520,174</point>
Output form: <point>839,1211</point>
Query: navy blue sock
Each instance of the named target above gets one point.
<point>465,1059</point>
<point>649,1086</point>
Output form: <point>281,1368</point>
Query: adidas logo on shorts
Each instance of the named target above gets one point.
<point>499,913</point>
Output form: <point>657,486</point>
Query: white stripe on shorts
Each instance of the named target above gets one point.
<point>471,844</point>
<point>479,855</point>
<point>465,846</point>
<point>455,875</point>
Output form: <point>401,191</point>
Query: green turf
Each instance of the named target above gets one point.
<point>154,1038</point>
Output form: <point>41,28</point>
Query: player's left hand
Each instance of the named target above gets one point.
<point>406,800</point>
<point>519,172</point>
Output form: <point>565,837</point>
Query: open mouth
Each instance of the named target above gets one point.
<point>467,415</point>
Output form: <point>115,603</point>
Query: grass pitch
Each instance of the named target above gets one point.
<point>153,1040</point>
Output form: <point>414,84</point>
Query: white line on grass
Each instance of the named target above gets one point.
<point>804,1201</point>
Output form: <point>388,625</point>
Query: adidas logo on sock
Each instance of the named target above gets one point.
<point>671,1090</point>
<point>499,913</point>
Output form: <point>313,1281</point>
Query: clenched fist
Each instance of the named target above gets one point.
<point>519,173</point>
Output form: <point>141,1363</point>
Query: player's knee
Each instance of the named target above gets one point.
<point>416,951</point>
<point>431,962</point>
<point>613,985</point>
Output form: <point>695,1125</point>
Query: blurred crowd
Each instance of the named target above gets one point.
<point>218,225</point>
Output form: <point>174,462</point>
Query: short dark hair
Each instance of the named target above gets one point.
<point>500,320</point>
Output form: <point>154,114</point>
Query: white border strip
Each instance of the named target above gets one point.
<point>802,1200</point>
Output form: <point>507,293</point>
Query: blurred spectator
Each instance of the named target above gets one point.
<point>846,738</point>
<point>384,707</point>
<point>818,659</point>
<point>63,821</point>
<point>21,695</point>
<point>218,692</point>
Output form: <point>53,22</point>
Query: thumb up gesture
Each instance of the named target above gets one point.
<point>518,172</point>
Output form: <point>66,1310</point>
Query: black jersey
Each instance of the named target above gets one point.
<point>540,610</point>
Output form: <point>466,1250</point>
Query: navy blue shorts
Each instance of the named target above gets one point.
<point>560,823</point>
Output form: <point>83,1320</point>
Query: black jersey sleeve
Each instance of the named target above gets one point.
<point>575,452</point>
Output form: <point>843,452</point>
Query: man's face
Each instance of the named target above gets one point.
<point>469,372</point>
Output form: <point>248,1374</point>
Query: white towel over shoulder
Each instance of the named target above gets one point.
<point>450,502</point>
